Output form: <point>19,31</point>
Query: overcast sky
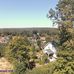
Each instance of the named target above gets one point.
<point>25,13</point>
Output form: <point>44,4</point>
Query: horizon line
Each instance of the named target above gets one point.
<point>24,27</point>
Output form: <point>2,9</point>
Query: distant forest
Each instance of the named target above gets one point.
<point>29,30</point>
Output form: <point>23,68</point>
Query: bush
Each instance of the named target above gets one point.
<point>43,59</point>
<point>66,54</point>
<point>61,66</point>
<point>20,68</point>
<point>17,52</point>
<point>2,50</point>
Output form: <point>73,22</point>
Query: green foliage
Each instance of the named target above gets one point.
<point>64,17</point>
<point>2,49</point>
<point>39,43</point>
<point>43,59</point>
<point>32,49</point>
<point>40,70</point>
<point>66,54</point>
<point>20,68</point>
<point>48,38</point>
<point>64,67</point>
<point>61,66</point>
<point>17,52</point>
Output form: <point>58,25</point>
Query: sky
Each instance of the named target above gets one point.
<point>25,13</point>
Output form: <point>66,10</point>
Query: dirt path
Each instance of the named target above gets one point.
<point>5,66</point>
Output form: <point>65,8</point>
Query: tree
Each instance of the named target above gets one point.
<point>39,43</point>
<point>2,49</point>
<point>17,52</point>
<point>64,17</point>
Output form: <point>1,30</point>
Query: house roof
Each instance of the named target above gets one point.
<point>48,51</point>
<point>49,48</point>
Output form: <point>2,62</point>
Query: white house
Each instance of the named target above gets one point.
<point>50,50</point>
